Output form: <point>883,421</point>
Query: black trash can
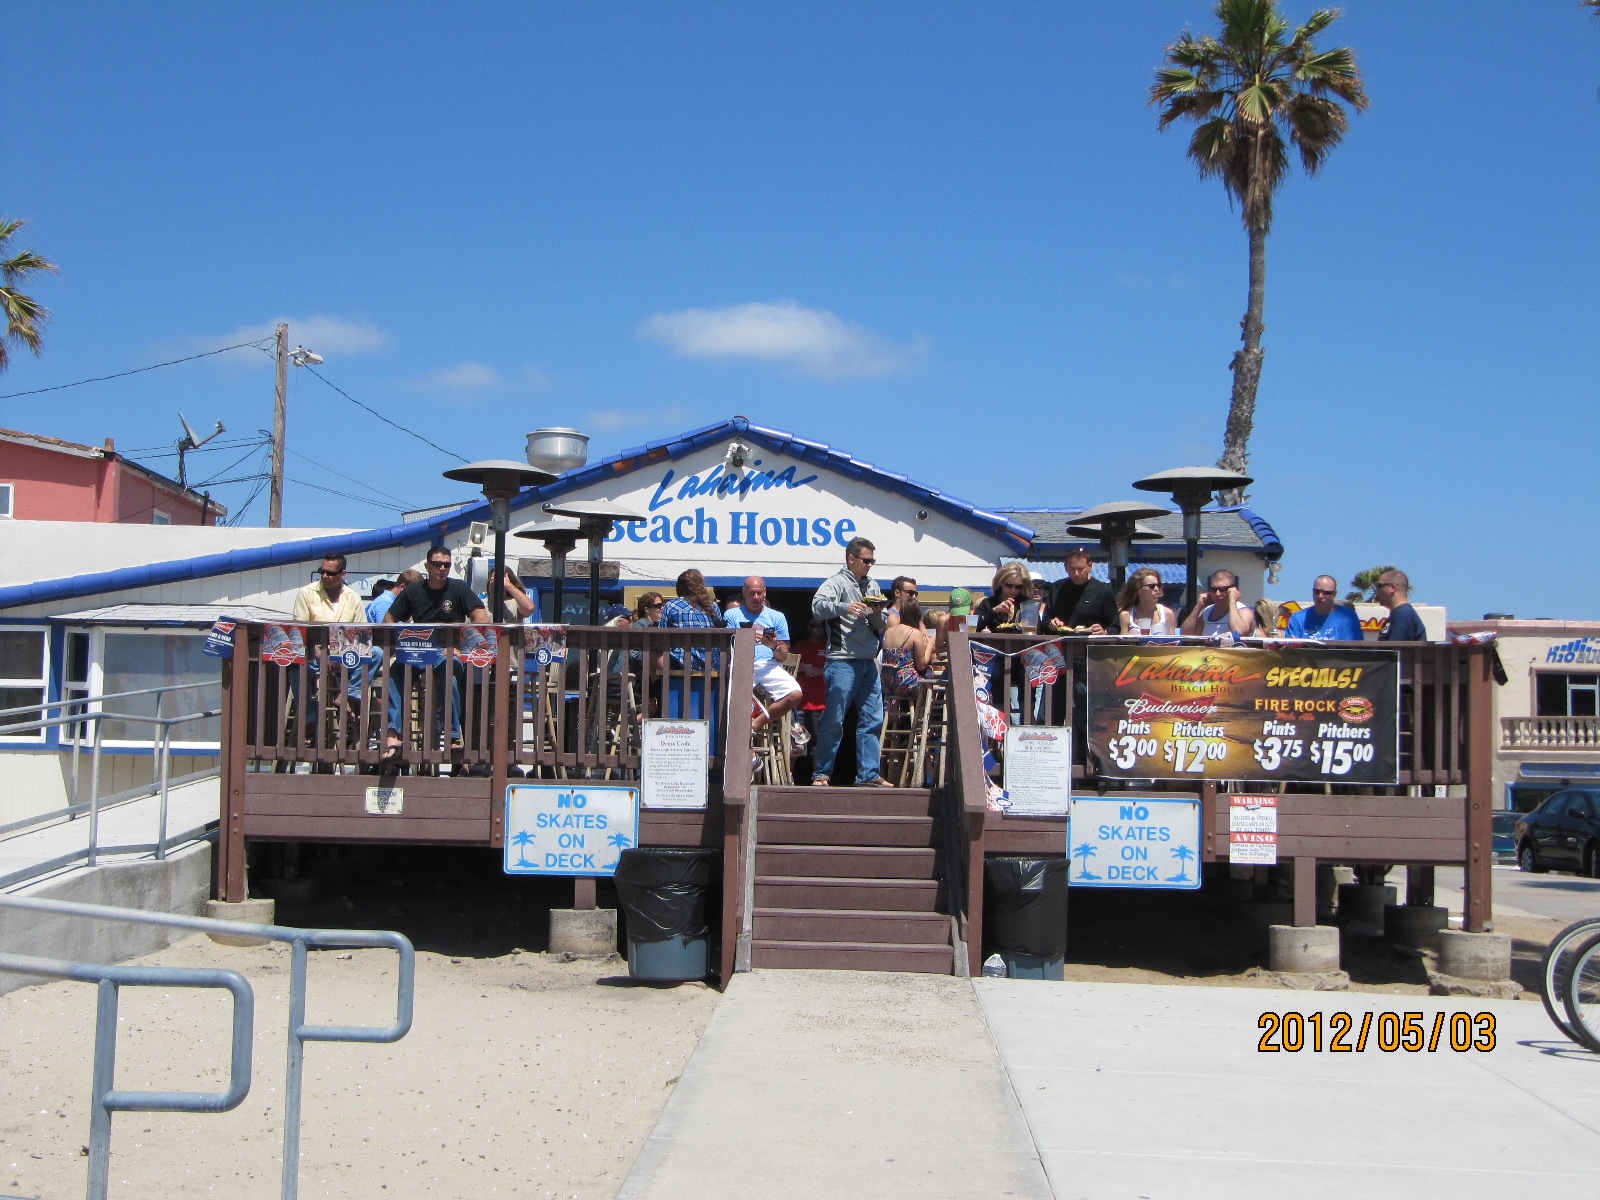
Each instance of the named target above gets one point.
<point>663,896</point>
<point>1025,915</point>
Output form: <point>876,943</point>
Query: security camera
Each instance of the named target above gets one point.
<point>738,454</point>
<point>922,514</point>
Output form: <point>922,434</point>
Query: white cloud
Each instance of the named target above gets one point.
<point>328,336</point>
<point>615,420</point>
<point>463,377</point>
<point>810,340</point>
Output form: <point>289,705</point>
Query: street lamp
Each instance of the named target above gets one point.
<point>1115,525</point>
<point>560,538</point>
<point>500,480</point>
<point>1191,489</point>
<point>596,519</point>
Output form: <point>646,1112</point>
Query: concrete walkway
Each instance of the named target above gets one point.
<point>131,823</point>
<point>841,1083</point>
<point>813,1083</point>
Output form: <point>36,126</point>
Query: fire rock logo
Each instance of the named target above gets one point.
<point>1356,709</point>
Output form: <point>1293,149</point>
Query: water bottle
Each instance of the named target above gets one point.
<point>994,967</point>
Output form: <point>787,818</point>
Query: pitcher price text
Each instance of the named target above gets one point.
<point>1186,754</point>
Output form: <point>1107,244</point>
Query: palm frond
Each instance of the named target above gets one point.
<point>1316,126</point>
<point>23,316</point>
<point>26,263</point>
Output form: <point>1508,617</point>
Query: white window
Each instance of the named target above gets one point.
<point>22,678</point>
<point>8,498</point>
<point>139,659</point>
<point>161,518</point>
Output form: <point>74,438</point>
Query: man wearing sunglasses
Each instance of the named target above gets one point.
<point>1220,610</point>
<point>852,607</point>
<point>326,600</point>
<point>1326,621</point>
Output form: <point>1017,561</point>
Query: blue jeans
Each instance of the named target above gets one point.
<point>851,682</point>
<point>454,670</point>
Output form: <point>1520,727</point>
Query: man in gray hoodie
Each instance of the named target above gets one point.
<point>853,608</point>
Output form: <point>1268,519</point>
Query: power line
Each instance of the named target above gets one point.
<point>351,478</point>
<point>136,371</point>
<point>346,495</point>
<point>379,415</point>
<point>213,480</point>
<point>234,445</point>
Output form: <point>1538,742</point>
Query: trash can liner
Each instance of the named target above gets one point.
<point>663,892</point>
<point>1025,906</point>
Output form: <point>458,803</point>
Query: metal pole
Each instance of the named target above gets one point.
<point>497,589</point>
<point>1191,548</point>
<point>105,1068</point>
<point>594,576</point>
<point>558,583</point>
<point>294,1071</point>
<point>166,775</point>
<point>94,792</point>
<point>279,417</point>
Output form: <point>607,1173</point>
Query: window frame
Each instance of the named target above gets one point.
<point>41,682</point>
<point>96,688</point>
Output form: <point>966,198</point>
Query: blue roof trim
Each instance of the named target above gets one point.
<point>1270,541</point>
<point>431,529</point>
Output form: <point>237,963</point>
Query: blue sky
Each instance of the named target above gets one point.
<point>945,237</point>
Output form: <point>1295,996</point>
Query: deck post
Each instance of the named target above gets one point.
<point>1478,909</point>
<point>230,874</point>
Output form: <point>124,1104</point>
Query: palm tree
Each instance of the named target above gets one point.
<point>1251,91</point>
<point>523,839</point>
<point>24,314</point>
<point>1365,584</point>
<point>1085,851</point>
<point>1183,854</point>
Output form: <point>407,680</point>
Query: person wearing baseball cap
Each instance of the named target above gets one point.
<point>960,602</point>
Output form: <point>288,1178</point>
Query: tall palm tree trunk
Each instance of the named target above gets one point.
<point>1246,368</point>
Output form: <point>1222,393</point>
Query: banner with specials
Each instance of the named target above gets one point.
<point>1204,712</point>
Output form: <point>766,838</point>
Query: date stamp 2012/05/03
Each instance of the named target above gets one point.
<point>1344,1033</point>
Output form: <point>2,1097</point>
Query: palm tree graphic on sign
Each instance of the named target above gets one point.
<point>1086,851</point>
<point>1183,854</point>
<point>621,841</point>
<point>523,839</point>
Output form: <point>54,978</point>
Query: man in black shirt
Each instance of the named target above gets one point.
<point>436,600</point>
<point>1082,601</point>
<point>1394,593</point>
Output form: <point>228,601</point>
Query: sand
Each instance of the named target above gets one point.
<point>522,1076</point>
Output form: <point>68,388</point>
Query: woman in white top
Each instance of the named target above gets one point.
<point>1139,605</point>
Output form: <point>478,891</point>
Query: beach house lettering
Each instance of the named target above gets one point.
<point>672,520</point>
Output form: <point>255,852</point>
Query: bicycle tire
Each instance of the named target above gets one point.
<point>1553,972</point>
<point>1582,994</point>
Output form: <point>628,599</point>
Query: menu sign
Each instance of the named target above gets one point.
<point>1205,712</point>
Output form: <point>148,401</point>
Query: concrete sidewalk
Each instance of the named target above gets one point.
<point>841,1083</point>
<point>1161,1093</point>
<point>813,1083</point>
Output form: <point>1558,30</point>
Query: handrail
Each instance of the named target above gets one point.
<point>103,1098</point>
<point>967,751</point>
<point>738,828</point>
<point>298,1031</point>
<point>64,700</point>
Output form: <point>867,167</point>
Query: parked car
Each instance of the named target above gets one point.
<point>1504,846</point>
<point>1562,834</point>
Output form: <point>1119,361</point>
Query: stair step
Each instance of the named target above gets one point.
<point>848,956</point>
<point>843,893</point>
<point>852,925</point>
<point>813,801</point>
<point>857,862</point>
<point>847,829</point>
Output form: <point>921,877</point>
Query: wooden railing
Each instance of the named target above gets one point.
<point>1550,733</point>
<point>1446,740</point>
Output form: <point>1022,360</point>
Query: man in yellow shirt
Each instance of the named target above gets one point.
<point>328,601</point>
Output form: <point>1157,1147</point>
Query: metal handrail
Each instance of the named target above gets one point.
<point>299,1033</point>
<point>160,786</point>
<point>150,691</point>
<point>103,1097</point>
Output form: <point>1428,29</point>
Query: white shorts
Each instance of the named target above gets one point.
<point>771,678</point>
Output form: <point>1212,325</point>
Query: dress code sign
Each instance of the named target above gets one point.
<point>1204,712</point>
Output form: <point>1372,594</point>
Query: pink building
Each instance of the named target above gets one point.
<point>47,479</point>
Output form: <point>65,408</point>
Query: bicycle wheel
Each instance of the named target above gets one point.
<point>1582,993</point>
<point>1557,965</point>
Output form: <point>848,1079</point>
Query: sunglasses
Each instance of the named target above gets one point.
<point>320,572</point>
<point>1323,592</point>
<point>868,561</point>
<point>1157,586</point>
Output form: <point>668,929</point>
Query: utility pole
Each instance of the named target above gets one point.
<point>279,413</point>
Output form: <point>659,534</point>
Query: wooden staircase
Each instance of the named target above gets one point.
<point>850,879</point>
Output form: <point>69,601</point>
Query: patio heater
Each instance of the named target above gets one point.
<point>1116,525</point>
<point>596,519</point>
<point>559,538</point>
<point>1191,489</point>
<point>500,480</point>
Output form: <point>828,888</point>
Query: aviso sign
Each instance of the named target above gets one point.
<point>1204,712</point>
